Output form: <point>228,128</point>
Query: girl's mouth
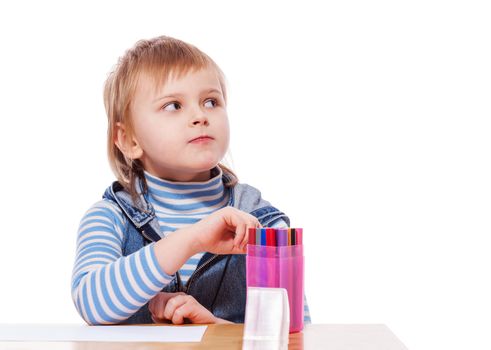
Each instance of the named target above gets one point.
<point>201,139</point>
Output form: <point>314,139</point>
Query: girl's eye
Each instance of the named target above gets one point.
<point>173,106</point>
<point>210,103</point>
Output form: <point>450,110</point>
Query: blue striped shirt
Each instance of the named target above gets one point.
<point>179,204</point>
<point>108,287</point>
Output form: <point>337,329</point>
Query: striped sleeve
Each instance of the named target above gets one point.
<point>306,312</point>
<point>107,287</point>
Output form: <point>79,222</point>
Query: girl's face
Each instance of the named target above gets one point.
<point>181,131</point>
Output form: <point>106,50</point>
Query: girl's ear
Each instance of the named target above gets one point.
<point>126,144</point>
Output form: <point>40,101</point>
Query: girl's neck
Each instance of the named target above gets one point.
<point>201,177</point>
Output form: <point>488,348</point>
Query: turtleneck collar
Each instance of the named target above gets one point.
<point>188,197</point>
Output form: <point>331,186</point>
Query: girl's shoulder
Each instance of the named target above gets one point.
<point>106,210</point>
<point>247,197</point>
<point>250,200</point>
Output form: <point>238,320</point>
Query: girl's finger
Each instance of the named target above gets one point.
<point>158,303</point>
<point>239,235</point>
<point>153,307</point>
<point>253,223</point>
<point>180,313</point>
<point>159,312</point>
<point>172,305</point>
<point>190,309</point>
<point>246,236</point>
<point>158,320</point>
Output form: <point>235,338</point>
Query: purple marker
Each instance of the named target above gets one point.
<point>282,237</point>
<point>262,259</point>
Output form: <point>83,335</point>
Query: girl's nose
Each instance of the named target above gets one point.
<point>199,118</point>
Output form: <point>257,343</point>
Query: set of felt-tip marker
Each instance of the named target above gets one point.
<point>275,260</point>
<point>275,236</point>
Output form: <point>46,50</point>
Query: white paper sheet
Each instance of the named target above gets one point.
<point>51,332</point>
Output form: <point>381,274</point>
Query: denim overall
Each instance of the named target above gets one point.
<point>219,281</point>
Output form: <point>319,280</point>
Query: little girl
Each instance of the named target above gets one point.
<point>167,241</point>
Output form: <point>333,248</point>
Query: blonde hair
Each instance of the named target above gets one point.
<point>157,59</point>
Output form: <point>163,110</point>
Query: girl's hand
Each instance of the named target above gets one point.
<point>224,231</point>
<point>176,307</point>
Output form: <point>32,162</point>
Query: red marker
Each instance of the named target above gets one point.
<point>252,235</point>
<point>298,236</point>
<point>270,237</point>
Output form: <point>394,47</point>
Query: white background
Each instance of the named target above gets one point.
<point>368,122</point>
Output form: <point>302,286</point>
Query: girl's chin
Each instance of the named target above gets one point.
<point>206,164</point>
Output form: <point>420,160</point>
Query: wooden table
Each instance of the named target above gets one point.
<point>229,336</point>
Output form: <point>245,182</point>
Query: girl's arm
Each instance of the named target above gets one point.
<point>222,232</point>
<point>108,287</point>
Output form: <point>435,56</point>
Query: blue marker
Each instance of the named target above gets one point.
<point>263,236</point>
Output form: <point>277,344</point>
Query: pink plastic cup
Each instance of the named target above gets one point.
<point>279,267</point>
